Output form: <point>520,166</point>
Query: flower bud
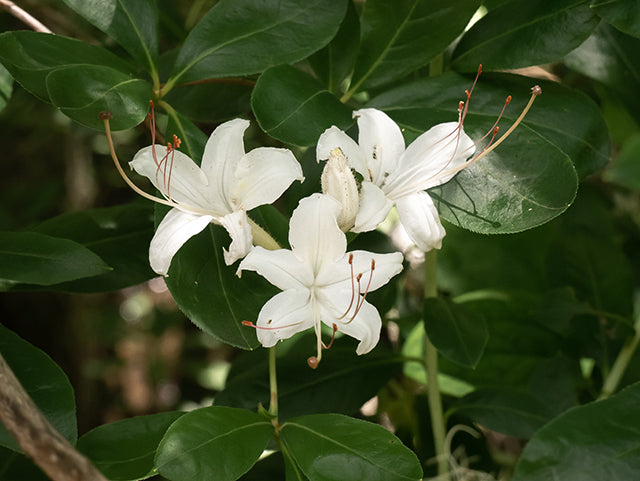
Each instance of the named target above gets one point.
<point>338,182</point>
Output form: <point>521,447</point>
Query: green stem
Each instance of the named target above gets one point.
<point>431,366</point>
<point>620,365</point>
<point>273,383</point>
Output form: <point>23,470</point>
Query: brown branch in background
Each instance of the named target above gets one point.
<point>35,435</point>
<point>23,16</point>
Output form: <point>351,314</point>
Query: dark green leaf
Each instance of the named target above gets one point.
<point>524,33</point>
<point>401,36</point>
<point>212,102</point>
<point>193,139</point>
<point>211,295</point>
<point>507,411</point>
<point>119,235</point>
<point>588,443</point>
<point>16,466</point>
<point>133,23</point>
<point>6,87</point>
<point>622,14</point>
<point>31,56</point>
<point>83,91</point>
<point>45,383</point>
<point>292,106</point>
<point>212,444</point>
<point>240,37</point>
<point>459,335</point>
<point>335,447</point>
<point>33,258</point>
<point>125,450</point>
<point>626,168</point>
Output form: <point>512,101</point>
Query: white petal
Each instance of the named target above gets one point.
<point>314,234</point>
<point>281,268</point>
<point>289,312</point>
<point>333,138</point>
<point>177,177</point>
<point>239,230</point>
<point>374,208</point>
<point>176,228</point>
<point>339,274</point>
<point>432,159</point>
<point>222,153</point>
<point>262,175</point>
<point>366,324</point>
<point>421,220</point>
<point>381,140</point>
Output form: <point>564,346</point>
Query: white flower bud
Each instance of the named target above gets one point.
<point>338,182</point>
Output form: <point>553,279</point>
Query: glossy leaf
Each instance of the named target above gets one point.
<point>401,36</point>
<point>192,137</point>
<point>45,383</point>
<point>124,450</point>
<point>335,447</point>
<point>587,443</point>
<point>31,56</point>
<point>529,179</point>
<point>240,37</point>
<point>212,444</point>
<point>459,335</point>
<point>83,91</point>
<point>622,14</point>
<point>120,235</point>
<point>211,295</point>
<point>511,412</point>
<point>19,466</point>
<point>6,87</point>
<point>524,33</point>
<point>33,258</point>
<point>133,23</point>
<point>292,106</point>
<point>626,168</point>
<point>212,102</point>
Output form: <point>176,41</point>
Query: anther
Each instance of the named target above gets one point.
<point>333,336</point>
<point>105,115</point>
<point>313,362</point>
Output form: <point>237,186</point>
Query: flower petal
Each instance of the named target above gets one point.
<point>339,274</point>
<point>176,228</point>
<point>381,140</point>
<point>374,208</point>
<point>314,234</point>
<point>178,177</point>
<point>239,230</point>
<point>281,268</point>
<point>432,159</point>
<point>333,138</point>
<point>262,175</point>
<point>421,220</point>
<point>222,153</point>
<point>284,315</point>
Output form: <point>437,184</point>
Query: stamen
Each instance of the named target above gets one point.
<point>353,289</point>
<point>251,324</point>
<point>333,336</point>
<point>360,301</point>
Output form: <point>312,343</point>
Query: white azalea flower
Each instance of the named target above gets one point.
<point>228,183</point>
<point>321,282</point>
<point>393,175</point>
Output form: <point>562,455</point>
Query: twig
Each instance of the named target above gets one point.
<point>23,16</point>
<point>35,435</point>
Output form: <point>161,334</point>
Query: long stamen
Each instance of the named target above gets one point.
<point>251,324</point>
<point>333,336</point>
<point>353,288</point>
<point>361,300</point>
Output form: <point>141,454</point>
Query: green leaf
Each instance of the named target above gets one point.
<point>529,179</point>
<point>211,295</point>
<point>125,450</point>
<point>133,23</point>
<point>507,411</point>
<point>45,383</point>
<point>33,258</point>
<point>401,36</point>
<point>212,102</point>
<point>588,443</point>
<point>241,37</point>
<point>83,91</point>
<point>626,168</point>
<point>6,87</point>
<point>120,235</point>
<point>192,137</point>
<point>524,33</point>
<point>335,447</point>
<point>17,466</point>
<point>213,443</point>
<point>458,335</point>
<point>31,56</point>
<point>622,14</point>
<point>292,106</point>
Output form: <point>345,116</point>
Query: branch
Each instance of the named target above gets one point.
<point>23,16</point>
<point>35,435</point>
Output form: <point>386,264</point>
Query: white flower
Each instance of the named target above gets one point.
<point>321,282</point>
<point>228,183</point>
<point>338,181</point>
<point>395,175</point>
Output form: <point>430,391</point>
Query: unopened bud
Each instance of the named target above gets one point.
<point>338,182</point>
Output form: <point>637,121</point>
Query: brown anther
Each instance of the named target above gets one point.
<point>176,141</point>
<point>358,277</point>
<point>169,147</point>
<point>105,115</point>
<point>248,323</point>
<point>536,90</point>
<point>479,69</point>
<point>313,362</point>
<point>151,104</point>
<point>508,101</point>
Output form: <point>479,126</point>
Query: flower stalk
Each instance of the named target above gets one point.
<point>620,365</point>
